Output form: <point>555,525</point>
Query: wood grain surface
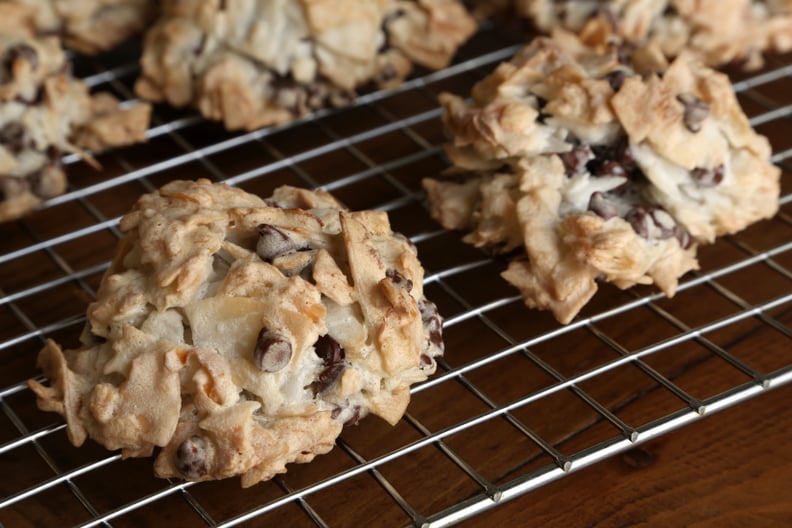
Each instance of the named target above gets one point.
<point>731,470</point>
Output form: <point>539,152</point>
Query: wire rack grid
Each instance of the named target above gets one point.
<point>518,400</point>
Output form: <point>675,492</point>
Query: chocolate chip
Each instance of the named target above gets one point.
<point>328,350</point>
<point>328,376</point>
<point>273,242</point>
<point>427,361</point>
<point>601,206</point>
<point>433,323</point>
<point>683,237</point>
<point>576,159</point>
<point>616,79</point>
<point>20,51</point>
<point>599,155</point>
<point>355,418</point>
<point>626,158</point>
<point>332,355</point>
<point>708,177</point>
<point>387,73</point>
<point>13,137</point>
<point>613,160</point>
<point>612,168</point>
<point>54,155</point>
<point>639,219</point>
<point>654,223</point>
<point>696,111</point>
<point>191,457</point>
<point>352,420</point>
<point>273,351</point>
<point>399,280</point>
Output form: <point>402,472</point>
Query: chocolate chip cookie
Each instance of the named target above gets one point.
<point>599,165</point>
<point>88,26</point>
<point>716,31</point>
<point>239,334</point>
<point>44,113</point>
<point>264,62</point>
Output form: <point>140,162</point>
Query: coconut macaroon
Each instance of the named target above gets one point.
<point>239,334</point>
<point>599,165</point>
<point>88,26</point>
<point>45,113</point>
<point>252,63</point>
<point>716,31</point>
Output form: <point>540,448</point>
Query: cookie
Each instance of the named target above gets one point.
<point>716,31</point>
<point>599,166</point>
<point>239,334</point>
<point>44,113</point>
<point>87,26</point>
<point>264,62</point>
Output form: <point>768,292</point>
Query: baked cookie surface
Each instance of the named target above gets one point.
<point>716,31</point>
<point>88,26</point>
<point>252,63</point>
<point>239,335</point>
<point>44,113</point>
<point>596,165</point>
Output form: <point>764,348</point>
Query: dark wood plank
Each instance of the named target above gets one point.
<point>731,469</point>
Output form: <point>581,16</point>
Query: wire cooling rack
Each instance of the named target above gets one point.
<point>517,402</point>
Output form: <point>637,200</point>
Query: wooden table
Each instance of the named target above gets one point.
<point>733,469</point>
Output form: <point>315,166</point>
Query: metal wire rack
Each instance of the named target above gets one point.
<point>539,399</point>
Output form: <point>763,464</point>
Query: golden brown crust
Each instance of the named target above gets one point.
<point>261,63</point>
<point>88,26</point>
<point>44,112</point>
<point>599,169</point>
<point>239,334</point>
<point>715,31</point>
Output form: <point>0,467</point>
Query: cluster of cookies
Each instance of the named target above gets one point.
<point>233,335</point>
<point>716,32</point>
<point>44,111</point>
<point>256,63</point>
<point>605,156</point>
<point>247,63</point>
